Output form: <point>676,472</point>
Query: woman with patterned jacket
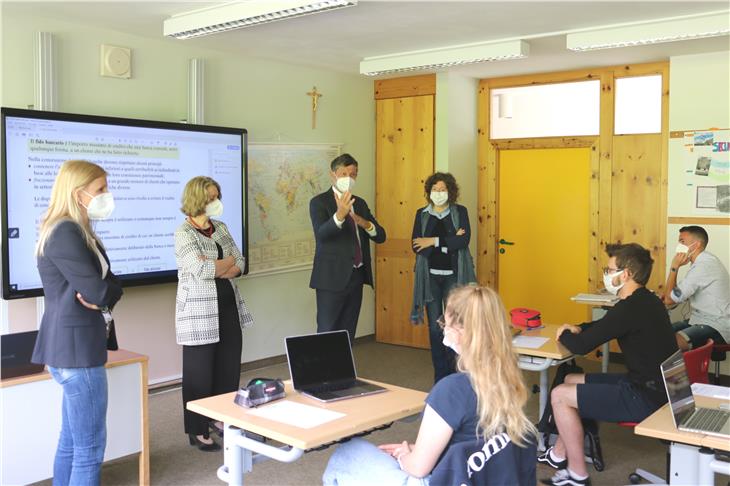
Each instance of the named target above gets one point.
<point>210,313</point>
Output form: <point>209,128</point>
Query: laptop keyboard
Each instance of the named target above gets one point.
<point>708,419</point>
<point>329,387</point>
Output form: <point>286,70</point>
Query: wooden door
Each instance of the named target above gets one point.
<point>543,230</point>
<point>404,159</point>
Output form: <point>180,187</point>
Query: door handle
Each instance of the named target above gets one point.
<point>505,242</point>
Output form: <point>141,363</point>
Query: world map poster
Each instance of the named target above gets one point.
<point>282,178</point>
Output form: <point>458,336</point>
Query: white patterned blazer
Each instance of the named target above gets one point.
<point>196,309</point>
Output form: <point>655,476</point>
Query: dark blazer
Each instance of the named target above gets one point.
<point>72,336</point>
<point>452,242</point>
<point>335,249</point>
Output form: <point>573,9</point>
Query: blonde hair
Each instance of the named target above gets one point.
<point>72,176</point>
<point>195,195</point>
<point>489,360</point>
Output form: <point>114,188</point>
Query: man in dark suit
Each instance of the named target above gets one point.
<point>343,227</point>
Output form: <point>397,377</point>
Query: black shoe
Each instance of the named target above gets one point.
<point>194,441</point>
<point>545,458</point>
<point>563,478</point>
<point>216,430</point>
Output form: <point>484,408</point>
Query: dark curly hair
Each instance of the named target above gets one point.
<point>451,186</point>
<point>634,258</point>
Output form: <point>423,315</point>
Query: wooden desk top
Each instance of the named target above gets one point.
<point>362,413</point>
<point>114,358</point>
<point>551,349</point>
<point>661,426</point>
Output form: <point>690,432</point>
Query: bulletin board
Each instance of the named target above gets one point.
<point>699,176</point>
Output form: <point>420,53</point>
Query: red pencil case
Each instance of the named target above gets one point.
<point>524,317</point>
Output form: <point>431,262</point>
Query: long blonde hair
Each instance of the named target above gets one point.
<point>489,360</point>
<point>72,176</point>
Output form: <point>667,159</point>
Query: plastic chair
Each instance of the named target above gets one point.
<point>697,363</point>
<point>719,353</point>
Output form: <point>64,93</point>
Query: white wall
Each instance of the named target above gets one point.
<point>699,98</point>
<point>267,98</point>
<point>456,141</point>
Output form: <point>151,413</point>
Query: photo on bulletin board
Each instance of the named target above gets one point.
<point>706,197</point>
<point>723,198</point>
<point>703,166</point>
<point>704,138</point>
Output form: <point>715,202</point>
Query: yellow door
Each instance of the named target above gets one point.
<point>543,235</point>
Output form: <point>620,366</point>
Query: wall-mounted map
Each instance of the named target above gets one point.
<point>282,179</point>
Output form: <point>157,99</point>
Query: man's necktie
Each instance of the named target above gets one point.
<point>358,251</point>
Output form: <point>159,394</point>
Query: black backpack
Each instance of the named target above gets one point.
<point>549,429</point>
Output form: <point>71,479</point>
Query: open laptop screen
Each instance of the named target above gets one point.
<point>315,359</point>
<point>678,387</point>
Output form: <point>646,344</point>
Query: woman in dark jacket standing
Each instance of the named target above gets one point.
<point>80,290</point>
<point>441,234</point>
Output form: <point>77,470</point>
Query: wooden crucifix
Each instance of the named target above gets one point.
<point>315,101</point>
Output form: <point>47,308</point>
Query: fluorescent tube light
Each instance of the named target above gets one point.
<point>444,57</point>
<point>237,15</point>
<point>668,30</point>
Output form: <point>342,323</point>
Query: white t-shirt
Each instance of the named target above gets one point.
<point>707,286</point>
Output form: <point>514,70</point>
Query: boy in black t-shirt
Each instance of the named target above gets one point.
<point>640,323</point>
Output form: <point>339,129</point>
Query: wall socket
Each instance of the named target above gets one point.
<point>115,61</point>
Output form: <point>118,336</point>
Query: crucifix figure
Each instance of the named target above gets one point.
<point>315,101</point>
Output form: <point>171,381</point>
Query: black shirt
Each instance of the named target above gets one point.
<point>438,260</point>
<point>641,325</point>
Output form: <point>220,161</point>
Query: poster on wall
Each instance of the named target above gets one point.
<point>282,180</point>
<point>706,163</point>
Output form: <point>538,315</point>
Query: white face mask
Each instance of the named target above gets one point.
<point>344,184</point>
<point>682,248</point>
<point>214,208</point>
<point>439,198</point>
<point>608,282</point>
<point>447,342</point>
<point>100,206</point>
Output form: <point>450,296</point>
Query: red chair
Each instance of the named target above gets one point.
<point>719,353</point>
<point>697,363</point>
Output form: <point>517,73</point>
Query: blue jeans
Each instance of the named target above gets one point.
<point>697,334</point>
<point>360,463</point>
<point>443,358</point>
<point>80,450</point>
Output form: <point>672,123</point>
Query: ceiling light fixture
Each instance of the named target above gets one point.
<point>237,15</point>
<point>654,32</point>
<point>443,57</point>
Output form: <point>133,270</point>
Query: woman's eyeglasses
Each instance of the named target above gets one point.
<point>441,322</point>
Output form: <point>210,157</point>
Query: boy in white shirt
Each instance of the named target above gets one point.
<point>707,287</point>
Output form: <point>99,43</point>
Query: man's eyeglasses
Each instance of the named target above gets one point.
<point>607,270</point>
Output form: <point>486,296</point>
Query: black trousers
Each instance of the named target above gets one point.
<point>340,309</point>
<point>212,369</point>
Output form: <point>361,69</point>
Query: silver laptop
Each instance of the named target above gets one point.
<point>686,416</point>
<point>322,367</point>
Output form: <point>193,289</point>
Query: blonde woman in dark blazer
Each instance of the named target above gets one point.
<point>210,312</point>
<point>79,288</point>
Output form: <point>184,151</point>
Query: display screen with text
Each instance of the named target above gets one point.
<point>148,165</point>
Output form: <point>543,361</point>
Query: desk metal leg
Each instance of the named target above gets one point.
<point>606,352</point>
<point>232,469</point>
<point>705,474</point>
<point>543,392</point>
<point>240,453</point>
<point>684,464</point>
